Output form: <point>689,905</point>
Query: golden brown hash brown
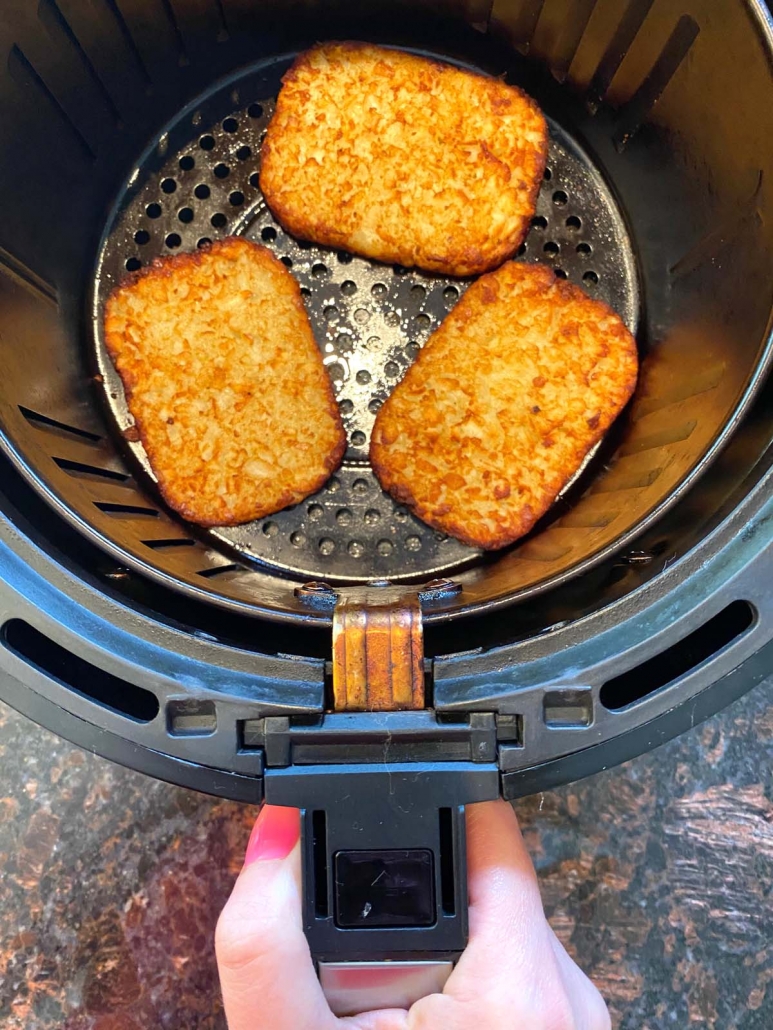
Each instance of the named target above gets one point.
<point>225,382</point>
<point>403,159</point>
<point>502,405</point>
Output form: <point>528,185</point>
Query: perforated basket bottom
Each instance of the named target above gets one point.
<point>199,182</point>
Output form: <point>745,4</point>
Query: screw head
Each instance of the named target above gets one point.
<point>316,593</point>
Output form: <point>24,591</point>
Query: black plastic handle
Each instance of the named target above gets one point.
<point>384,857</point>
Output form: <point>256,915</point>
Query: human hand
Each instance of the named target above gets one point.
<point>513,973</point>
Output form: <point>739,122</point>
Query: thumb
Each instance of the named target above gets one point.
<point>266,971</point>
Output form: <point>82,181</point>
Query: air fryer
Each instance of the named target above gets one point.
<point>640,604</point>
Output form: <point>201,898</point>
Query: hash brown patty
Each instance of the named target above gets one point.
<point>225,382</point>
<point>502,405</point>
<point>403,159</point>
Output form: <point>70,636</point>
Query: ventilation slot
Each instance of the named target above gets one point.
<point>158,545</point>
<point>661,73</point>
<point>44,422</point>
<point>80,470</point>
<point>27,77</point>
<point>175,27</point>
<point>123,28</point>
<point>319,849</point>
<point>683,657</point>
<point>627,30</point>
<point>21,273</point>
<point>126,510</point>
<point>447,888</point>
<point>78,675</point>
<point>58,26</point>
<point>220,570</point>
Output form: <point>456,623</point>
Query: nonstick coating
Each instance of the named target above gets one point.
<point>370,321</point>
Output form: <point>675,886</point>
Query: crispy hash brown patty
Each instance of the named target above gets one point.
<point>403,159</point>
<point>225,382</point>
<point>503,404</point>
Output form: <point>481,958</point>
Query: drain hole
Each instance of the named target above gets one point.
<point>560,198</point>
<point>141,237</point>
<point>202,191</point>
<point>186,215</point>
<point>205,241</point>
<point>583,248</point>
<point>551,248</point>
<point>218,221</point>
<point>133,265</point>
<point>221,171</point>
<point>268,234</point>
<point>547,175</point>
<point>244,153</point>
<point>287,261</point>
<point>559,273</point>
<point>187,163</point>
<point>236,199</point>
<point>255,180</point>
<point>679,659</point>
<point>573,222</point>
<point>590,277</point>
<point>78,675</point>
<point>153,210</point>
<point>168,185</point>
<point>539,222</point>
<point>230,125</point>
<point>173,240</point>
<point>255,111</point>
<point>207,142</point>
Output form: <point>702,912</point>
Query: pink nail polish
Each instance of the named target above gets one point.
<point>274,834</point>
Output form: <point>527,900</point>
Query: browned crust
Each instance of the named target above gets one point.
<point>521,520</point>
<point>166,267</point>
<point>301,221</point>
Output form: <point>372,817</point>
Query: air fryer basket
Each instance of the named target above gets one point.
<point>133,129</point>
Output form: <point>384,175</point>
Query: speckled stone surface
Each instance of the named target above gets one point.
<point>656,875</point>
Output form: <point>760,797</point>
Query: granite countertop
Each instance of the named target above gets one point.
<point>657,876</point>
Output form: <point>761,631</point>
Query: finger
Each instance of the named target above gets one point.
<point>266,972</point>
<point>507,921</point>
<point>588,1007</point>
<point>379,1019</point>
<point>509,973</point>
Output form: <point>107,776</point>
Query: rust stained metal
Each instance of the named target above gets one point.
<point>378,651</point>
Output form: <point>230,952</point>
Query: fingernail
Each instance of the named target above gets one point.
<point>274,835</point>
